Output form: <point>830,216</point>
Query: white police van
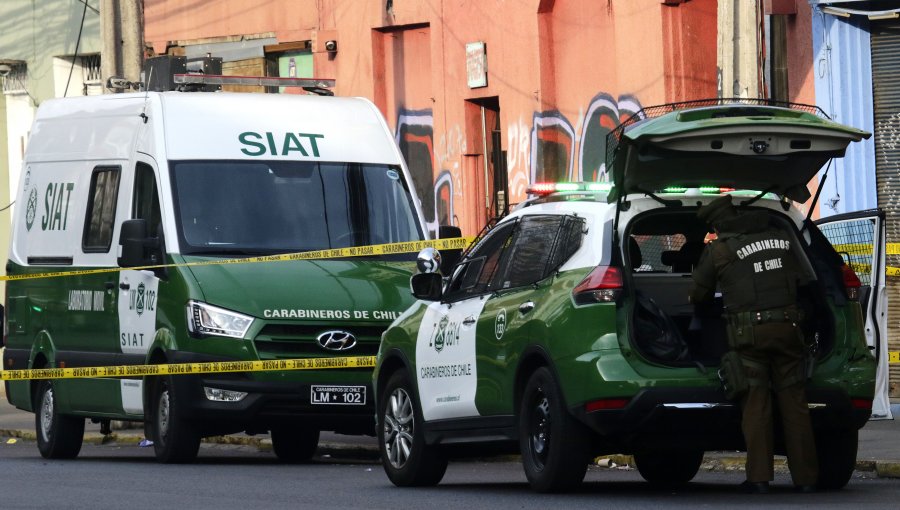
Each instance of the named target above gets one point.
<point>137,179</point>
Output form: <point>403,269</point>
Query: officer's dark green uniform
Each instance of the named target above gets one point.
<point>757,270</point>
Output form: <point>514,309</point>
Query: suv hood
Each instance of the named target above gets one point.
<point>763,148</point>
<point>282,290</point>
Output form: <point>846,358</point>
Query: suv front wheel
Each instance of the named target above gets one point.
<point>407,460</point>
<point>554,445</point>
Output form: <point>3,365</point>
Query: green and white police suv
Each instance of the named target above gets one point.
<point>137,179</point>
<point>566,332</point>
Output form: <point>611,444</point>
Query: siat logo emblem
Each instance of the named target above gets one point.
<point>31,205</point>
<point>140,301</point>
<point>336,340</point>
<point>31,208</point>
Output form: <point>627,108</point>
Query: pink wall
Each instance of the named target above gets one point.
<point>562,72</point>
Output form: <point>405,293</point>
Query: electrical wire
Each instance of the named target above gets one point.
<point>8,206</point>
<point>77,43</point>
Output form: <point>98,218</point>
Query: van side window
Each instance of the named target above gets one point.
<point>101,210</point>
<point>146,199</point>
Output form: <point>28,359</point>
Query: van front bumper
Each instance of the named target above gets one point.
<point>270,403</point>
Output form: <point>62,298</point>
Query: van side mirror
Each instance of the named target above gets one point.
<point>426,286</point>
<point>449,258</point>
<point>137,248</point>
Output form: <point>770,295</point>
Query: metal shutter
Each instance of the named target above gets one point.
<point>886,86</point>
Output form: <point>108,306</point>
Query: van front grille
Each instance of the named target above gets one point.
<point>286,341</point>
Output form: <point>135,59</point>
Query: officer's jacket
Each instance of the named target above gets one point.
<point>754,263</point>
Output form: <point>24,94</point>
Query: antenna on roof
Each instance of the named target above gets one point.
<point>146,95</point>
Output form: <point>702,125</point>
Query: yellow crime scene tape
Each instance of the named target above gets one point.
<point>456,243</point>
<point>189,368</point>
<point>865,249</point>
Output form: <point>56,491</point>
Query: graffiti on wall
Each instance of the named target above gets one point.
<point>549,148</point>
<point>415,138</point>
<point>553,148</point>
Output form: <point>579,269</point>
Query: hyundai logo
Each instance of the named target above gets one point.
<point>336,340</point>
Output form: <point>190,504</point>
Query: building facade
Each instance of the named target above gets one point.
<point>39,61</point>
<point>486,97</point>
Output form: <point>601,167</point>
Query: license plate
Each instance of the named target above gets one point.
<point>337,395</point>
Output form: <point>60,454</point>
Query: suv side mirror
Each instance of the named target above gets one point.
<point>449,258</point>
<point>426,286</point>
<point>137,248</point>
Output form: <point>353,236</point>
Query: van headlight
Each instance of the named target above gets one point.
<point>204,319</point>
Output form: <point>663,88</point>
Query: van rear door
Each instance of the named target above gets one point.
<point>859,238</point>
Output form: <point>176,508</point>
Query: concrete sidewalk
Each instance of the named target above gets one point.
<point>879,442</point>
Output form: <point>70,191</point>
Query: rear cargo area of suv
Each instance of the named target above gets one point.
<point>662,247</point>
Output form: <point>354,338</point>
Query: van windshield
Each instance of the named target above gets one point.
<point>264,207</point>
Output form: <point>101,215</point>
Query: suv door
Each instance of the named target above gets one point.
<point>446,371</point>
<point>511,319</point>
<point>859,238</point>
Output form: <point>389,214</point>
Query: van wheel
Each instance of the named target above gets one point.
<point>407,460</point>
<point>669,467</point>
<point>58,436</point>
<point>294,444</point>
<point>555,446</point>
<point>175,439</point>
<point>836,450</point>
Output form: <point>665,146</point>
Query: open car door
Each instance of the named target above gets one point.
<point>859,238</point>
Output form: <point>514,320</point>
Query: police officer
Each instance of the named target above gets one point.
<point>756,268</point>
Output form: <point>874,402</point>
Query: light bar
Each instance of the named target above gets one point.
<point>703,189</point>
<point>546,188</point>
<point>262,81</point>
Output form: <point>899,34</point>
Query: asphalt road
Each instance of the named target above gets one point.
<point>241,477</point>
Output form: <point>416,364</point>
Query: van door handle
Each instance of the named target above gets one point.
<point>110,285</point>
<point>124,286</point>
<point>526,307</point>
<point>468,321</point>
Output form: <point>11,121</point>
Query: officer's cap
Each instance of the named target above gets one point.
<point>717,210</point>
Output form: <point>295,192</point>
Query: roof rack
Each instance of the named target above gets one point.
<point>318,86</point>
<point>614,136</point>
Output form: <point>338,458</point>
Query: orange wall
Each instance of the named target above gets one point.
<point>563,72</point>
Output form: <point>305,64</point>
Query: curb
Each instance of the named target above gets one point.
<point>711,462</point>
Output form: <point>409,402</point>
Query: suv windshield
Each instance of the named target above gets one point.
<point>258,207</point>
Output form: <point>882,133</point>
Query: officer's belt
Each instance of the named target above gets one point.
<point>743,319</point>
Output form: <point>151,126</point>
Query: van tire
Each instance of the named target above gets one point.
<point>175,439</point>
<point>58,436</point>
<point>408,461</point>
<point>294,444</point>
<point>555,446</point>
<point>668,467</point>
<point>836,449</point>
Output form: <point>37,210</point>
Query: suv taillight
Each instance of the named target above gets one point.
<point>603,285</point>
<point>851,282</point>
